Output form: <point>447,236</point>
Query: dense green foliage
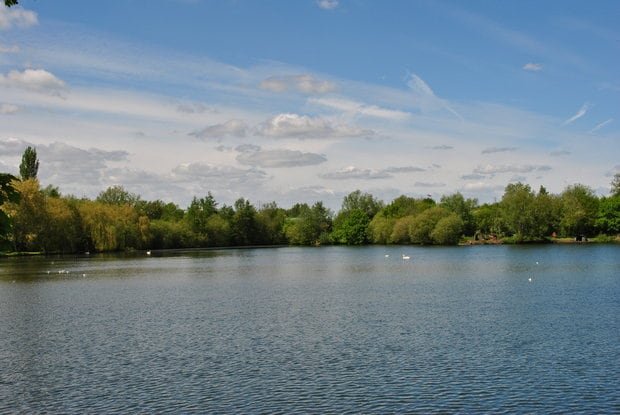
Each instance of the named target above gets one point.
<point>8,194</point>
<point>29,166</point>
<point>41,219</point>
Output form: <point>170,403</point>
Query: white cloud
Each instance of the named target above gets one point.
<point>352,172</point>
<point>220,176</point>
<point>582,111</point>
<point>304,83</point>
<point>534,67</point>
<point>482,186</point>
<point>73,167</point>
<point>473,176</point>
<point>223,149</point>
<point>426,184</point>
<point>38,80</point>
<point>231,128</point>
<point>327,4</point>
<point>16,17</point>
<point>358,108</point>
<point>491,150</point>
<point>510,168</point>
<point>13,146</point>
<point>601,125</point>
<point>9,49</point>
<point>558,153</point>
<point>303,126</point>
<point>442,147</point>
<point>426,98</point>
<point>404,169</point>
<point>8,109</point>
<point>278,158</point>
<point>194,108</point>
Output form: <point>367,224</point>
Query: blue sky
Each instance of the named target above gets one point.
<point>308,100</point>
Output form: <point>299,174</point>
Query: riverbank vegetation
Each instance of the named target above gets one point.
<point>40,219</point>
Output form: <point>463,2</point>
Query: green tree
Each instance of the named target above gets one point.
<point>579,210</point>
<point>547,213</point>
<point>312,226</point>
<point>448,230</point>
<point>489,220</point>
<point>401,230</point>
<point>423,225</point>
<point>198,213</point>
<point>351,228</point>
<point>464,208</point>
<point>404,206</point>
<point>380,229</point>
<point>365,202</point>
<point>28,216</point>
<point>8,194</point>
<point>29,167</point>
<point>244,226</point>
<point>615,185</point>
<point>608,216</point>
<point>9,3</point>
<point>271,221</point>
<point>518,211</point>
<point>117,195</point>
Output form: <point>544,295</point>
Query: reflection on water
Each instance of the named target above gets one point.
<point>332,329</point>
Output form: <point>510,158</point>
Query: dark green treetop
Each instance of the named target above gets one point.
<point>29,167</point>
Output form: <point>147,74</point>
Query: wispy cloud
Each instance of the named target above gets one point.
<point>582,111</point>
<point>16,17</point>
<point>559,153</point>
<point>219,176</point>
<point>426,98</point>
<point>328,4</point>
<point>8,109</point>
<point>404,169</point>
<point>9,49</point>
<point>442,147</point>
<point>302,126</point>
<point>275,158</point>
<point>358,108</point>
<point>194,108</point>
<point>601,125</point>
<point>353,172</point>
<point>491,150</point>
<point>230,128</point>
<point>304,83</point>
<point>13,146</point>
<point>429,184</point>
<point>510,168</point>
<point>533,67</point>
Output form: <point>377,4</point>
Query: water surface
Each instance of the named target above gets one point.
<point>332,329</point>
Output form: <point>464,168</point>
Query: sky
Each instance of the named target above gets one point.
<point>308,100</point>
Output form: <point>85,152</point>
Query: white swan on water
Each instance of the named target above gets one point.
<point>406,256</point>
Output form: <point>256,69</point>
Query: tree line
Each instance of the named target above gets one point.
<point>35,218</point>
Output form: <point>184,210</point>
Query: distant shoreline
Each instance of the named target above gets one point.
<point>471,242</point>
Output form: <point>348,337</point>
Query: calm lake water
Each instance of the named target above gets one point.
<point>339,330</point>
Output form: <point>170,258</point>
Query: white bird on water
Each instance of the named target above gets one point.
<point>406,256</point>
<point>148,252</point>
<point>387,255</point>
<point>530,279</point>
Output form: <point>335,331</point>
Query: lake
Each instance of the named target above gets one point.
<point>483,329</point>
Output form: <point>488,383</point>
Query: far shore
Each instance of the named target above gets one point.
<point>468,242</point>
